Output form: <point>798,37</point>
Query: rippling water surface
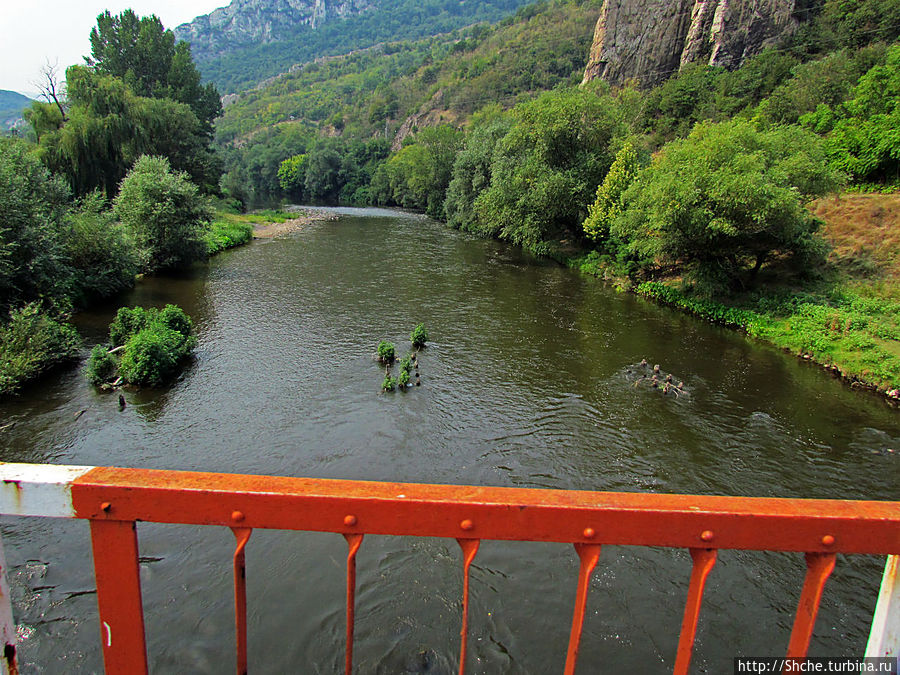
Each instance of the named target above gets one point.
<point>527,381</point>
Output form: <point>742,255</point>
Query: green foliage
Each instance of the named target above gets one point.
<point>865,139</point>
<point>225,234</point>
<point>128,321</point>
<point>109,127</point>
<point>32,341</point>
<point>143,54</point>
<point>155,343</point>
<point>102,256</point>
<point>292,176</point>
<point>472,173</point>
<point>728,198</point>
<point>545,169</point>
<point>101,366</point>
<point>403,379</point>
<point>443,80</point>
<point>405,365</point>
<point>417,176</point>
<point>33,205</point>
<point>419,336</point>
<point>152,356</point>
<point>388,383</point>
<point>164,213</point>
<point>386,352</point>
<point>609,205</point>
<point>853,334</point>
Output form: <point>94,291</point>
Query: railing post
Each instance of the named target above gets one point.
<point>115,548</point>
<point>8,664</point>
<point>884,639</point>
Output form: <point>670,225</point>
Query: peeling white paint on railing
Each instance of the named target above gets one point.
<point>884,639</point>
<point>38,489</point>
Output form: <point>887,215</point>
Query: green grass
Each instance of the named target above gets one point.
<point>226,233</point>
<point>842,329</point>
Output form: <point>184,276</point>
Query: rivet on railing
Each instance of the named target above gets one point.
<point>105,507</point>
<point>350,520</point>
<point>237,516</point>
<point>707,535</point>
<point>828,540</point>
<point>589,533</point>
<point>466,525</point>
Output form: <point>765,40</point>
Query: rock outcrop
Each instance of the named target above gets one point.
<point>247,22</point>
<point>648,40</point>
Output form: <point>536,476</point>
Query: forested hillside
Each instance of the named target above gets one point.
<point>266,44</point>
<point>12,105</point>
<point>365,99</point>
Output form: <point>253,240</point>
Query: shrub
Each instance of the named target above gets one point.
<point>32,342</point>
<point>172,316</point>
<point>389,383</point>
<point>403,379</point>
<point>419,336</point>
<point>386,352</point>
<point>164,212</point>
<point>101,366</point>
<point>152,355</point>
<point>155,342</point>
<point>128,321</point>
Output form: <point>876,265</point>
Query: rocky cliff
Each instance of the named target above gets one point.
<point>247,22</point>
<point>647,40</point>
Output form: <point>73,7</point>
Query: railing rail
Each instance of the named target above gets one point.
<point>114,499</point>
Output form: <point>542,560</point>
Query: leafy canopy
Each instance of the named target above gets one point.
<point>727,198</point>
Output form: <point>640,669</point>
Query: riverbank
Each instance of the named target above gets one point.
<point>848,321</point>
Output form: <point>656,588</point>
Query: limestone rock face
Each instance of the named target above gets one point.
<point>246,22</point>
<point>648,40</point>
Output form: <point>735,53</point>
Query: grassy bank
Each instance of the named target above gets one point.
<point>848,321</point>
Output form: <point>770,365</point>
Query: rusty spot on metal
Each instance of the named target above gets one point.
<point>9,655</point>
<point>105,507</point>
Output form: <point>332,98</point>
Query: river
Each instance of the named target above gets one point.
<point>527,381</point>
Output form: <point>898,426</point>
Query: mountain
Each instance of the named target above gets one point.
<point>12,104</point>
<point>648,40</point>
<point>238,46</point>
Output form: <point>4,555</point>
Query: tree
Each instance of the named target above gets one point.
<point>726,200</point>
<point>33,205</point>
<point>548,165</point>
<point>109,127</point>
<point>142,53</point>
<point>609,203</point>
<point>164,213</point>
<point>292,176</point>
<point>865,139</point>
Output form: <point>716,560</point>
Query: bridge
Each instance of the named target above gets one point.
<point>113,500</point>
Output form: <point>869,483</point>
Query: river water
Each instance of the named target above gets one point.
<point>526,382</point>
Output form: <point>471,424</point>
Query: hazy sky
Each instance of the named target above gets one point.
<point>33,32</point>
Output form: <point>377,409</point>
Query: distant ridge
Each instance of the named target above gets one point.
<point>12,105</point>
<point>248,41</point>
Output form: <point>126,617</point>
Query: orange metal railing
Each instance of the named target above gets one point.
<point>114,499</point>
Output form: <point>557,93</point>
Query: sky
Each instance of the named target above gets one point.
<point>35,32</point>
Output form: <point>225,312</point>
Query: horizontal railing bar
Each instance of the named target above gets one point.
<point>346,507</point>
